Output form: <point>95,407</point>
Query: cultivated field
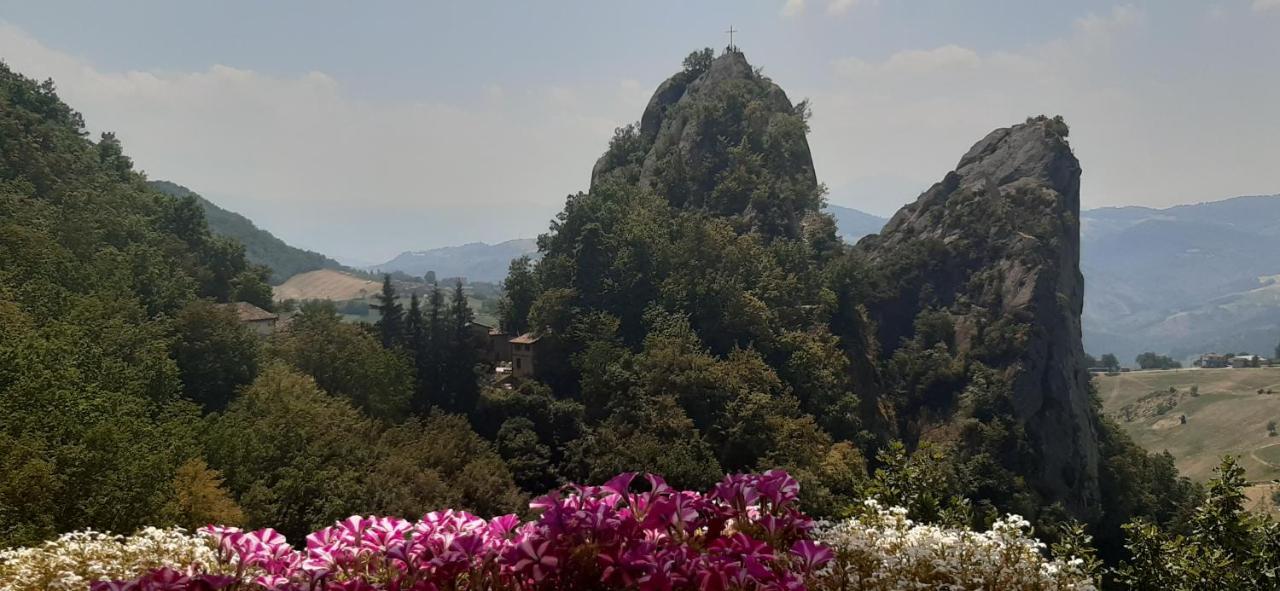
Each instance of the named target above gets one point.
<point>325,284</point>
<point>1224,415</point>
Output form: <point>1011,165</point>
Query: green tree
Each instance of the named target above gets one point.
<point>1227,547</point>
<point>1110,362</point>
<point>528,459</point>
<point>347,361</point>
<point>298,459</point>
<point>518,293</point>
<point>462,353</point>
<point>391,321</point>
<point>215,353</point>
<point>1150,360</point>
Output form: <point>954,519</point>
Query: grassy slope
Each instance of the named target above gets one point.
<point>1228,417</point>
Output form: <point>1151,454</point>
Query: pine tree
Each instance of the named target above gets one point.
<point>391,324</point>
<point>418,343</point>
<point>461,354</point>
<point>431,360</point>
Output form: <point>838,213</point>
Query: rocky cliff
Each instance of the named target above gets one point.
<point>996,246</point>
<point>722,138</point>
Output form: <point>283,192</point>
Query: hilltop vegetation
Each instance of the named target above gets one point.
<point>107,329</point>
<point>261,247</point>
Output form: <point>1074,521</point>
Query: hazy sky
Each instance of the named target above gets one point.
<point>365,129</point>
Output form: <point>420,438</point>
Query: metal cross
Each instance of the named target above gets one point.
<point>731,31</point>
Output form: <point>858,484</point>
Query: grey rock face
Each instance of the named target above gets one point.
<point>997,245</point>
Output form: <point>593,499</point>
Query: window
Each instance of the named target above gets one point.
<point>518,364</point>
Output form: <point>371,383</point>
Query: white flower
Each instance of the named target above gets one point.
<point>75,559</point>
<point>884,550</point>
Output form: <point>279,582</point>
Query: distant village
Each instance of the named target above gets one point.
<point>1205,361</point>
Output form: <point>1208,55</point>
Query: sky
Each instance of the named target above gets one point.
<point>365,129</point>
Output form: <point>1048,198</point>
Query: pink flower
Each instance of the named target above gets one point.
<point>533,557</point>
<point>812,555</point>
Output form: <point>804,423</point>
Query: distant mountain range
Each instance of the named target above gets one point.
<point>852,224</point>
<point>1182,280</point>
<point>261,247</point>
<point>476,261</point>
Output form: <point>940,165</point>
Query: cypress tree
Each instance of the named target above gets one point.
<point>418,343</point>
<point>461,355</point>
<point>391,324</point>
<point>432,359</point>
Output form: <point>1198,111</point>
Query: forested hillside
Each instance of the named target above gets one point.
<point>260,246</point>
<point>128,397</point>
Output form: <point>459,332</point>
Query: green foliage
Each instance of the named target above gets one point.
<point>919,482</point>
<point>299,459</point>
<point>1225,546</point>
<point>518,292</point>
<point>346,361</point>
<point>261,247</point>
<point>445,347</point>
<point>94,266</point>
<point>391,320</point>
<point>215,353</point>
<point>1150,360</point>
<point>1110,362</point>
<point>698,62</point>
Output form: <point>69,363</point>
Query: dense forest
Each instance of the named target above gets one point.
<point>695,315</point>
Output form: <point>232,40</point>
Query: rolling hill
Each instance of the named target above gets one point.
<point>261,247</point>
<point>1225,414</point>
<point>476,261</point>
<point>1182,280</point>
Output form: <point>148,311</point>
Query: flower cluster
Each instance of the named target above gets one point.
<point>745,534</point>
<point>73,560</point>
<point>884,550</point>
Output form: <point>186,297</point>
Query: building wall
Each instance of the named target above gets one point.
<point>262,328</point>
<point>522,360</point>
<point>499,347</point>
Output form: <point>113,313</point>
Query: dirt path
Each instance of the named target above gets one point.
<point>1254,455</point>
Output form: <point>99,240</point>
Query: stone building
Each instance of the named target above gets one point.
<point>524,350</point>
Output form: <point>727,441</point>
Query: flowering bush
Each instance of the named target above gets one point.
<point>745,534</point>
<point>74,560</point>
<point>884,550</point>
